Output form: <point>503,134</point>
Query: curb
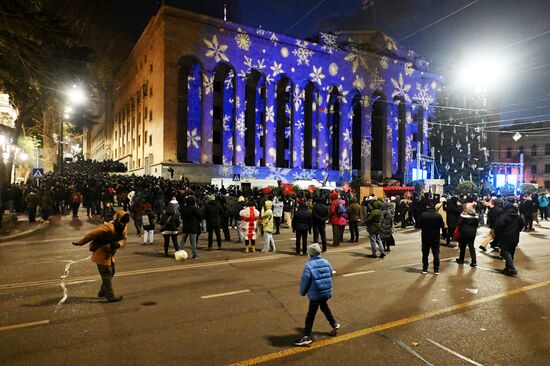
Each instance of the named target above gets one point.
<point>43,226</point>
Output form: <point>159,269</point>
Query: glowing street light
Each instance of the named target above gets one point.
<point>76,95</point>
<point>482,73</point>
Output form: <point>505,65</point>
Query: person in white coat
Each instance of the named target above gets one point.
<point>249,225</point>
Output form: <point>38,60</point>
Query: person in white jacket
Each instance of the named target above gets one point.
<point>249,225</point>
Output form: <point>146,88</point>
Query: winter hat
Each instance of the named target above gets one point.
<point>241,199</point>
<point>314,249</point>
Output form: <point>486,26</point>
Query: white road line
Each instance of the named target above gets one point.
<point>454,353</point>
<point>356,273</point>
<point>412,352</point>
<point>24,325</point>
<point>488,269</point>
<point>225,294</point>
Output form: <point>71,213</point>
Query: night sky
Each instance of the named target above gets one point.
<point>487,26</point>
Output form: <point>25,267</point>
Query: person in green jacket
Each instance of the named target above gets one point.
<point>374,227</point>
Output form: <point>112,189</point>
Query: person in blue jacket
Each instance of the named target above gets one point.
<point>316,283</point>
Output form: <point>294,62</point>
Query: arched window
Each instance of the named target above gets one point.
<point>189,110</point>
<point>283,129</point>
<point>378,125</point>
<point>401,136</point>
<point>310,124</point>
<point>356,131</point>
<point>255,95</point>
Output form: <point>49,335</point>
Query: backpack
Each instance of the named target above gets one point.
<point>145,220</point>
<point>341,210</point>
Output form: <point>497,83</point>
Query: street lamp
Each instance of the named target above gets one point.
<point>76,97</point>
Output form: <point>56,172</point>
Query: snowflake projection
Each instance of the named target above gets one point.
<point>365,146</point>
<point>411,53</point>
<point>425,128</point>
<point>390,43</point>
<point>284,52</point>
<point>302,52</point>
<point>260,31</point>
<point>193,138</point>
<point>274,39</point>
<point>297,95</point>
<point>226,120</point>
<point>365,101</point>
<point>249,171</point>
<point>229,80</point>
<point>317,75</point>
<point>277,68</point>
<point>208,82</point>
<point>343,94</point>
<point>278,174</point>
<point>225,170</point>
<point>376,81</point>
<point>216,50</point>
<point>359,82</point>
<point>230,143</point>
<point>408,117</point>
<point>345,162</point>
<point>325,159</point>
<point>408,148</point>
<point>288,132</point>
<point>260,64</point>
<point>329,42</point>
<point>237,102</point>
<point>423,96</point>
<point>294,155</point>
<point>333,69</point>
<point>347,136</point>
<point>299,124</point>
<point>240,125</point>
<point>243,40</point>
<point>384,62</point>
<point>401,89</point>
<point>242,75</point>
<point>305,174</point>
<point>248,62</point>
<point>320,126</point>
<point>409,68</point>
<point>269,114</point>
<point>356,58</point>
<point>388,132</point>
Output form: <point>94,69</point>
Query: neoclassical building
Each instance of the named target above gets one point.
<point>210,98</point>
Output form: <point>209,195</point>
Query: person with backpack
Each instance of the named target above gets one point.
<point>316,283</point>
<point>108,212</point>
<point>267,224</point>
<point>169,224</point>
<point>320,214</point>
<point>467,224</point>
<point>148,221</point>
<point>335,215</point>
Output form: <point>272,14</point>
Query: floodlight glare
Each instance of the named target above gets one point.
<point>482,73</point>
<point>76,95</point>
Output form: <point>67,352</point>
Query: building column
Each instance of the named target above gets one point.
<point>207,118</point>
<point>297,127</point>
<point>270,125</point>
<point>345,138</point>
<point>240,109</point>
<point>366,138</point>
<point>322,156</point>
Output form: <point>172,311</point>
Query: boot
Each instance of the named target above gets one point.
<point>246,248</point>
<point>253,249</point>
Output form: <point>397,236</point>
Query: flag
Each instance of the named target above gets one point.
<point>367,4</point>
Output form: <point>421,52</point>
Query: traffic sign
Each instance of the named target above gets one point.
<point>38,173</point>
<point>236,177</point>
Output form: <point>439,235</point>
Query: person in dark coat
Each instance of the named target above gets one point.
<point>320,215</point>
<point>169,224</point>
<point>431,224</point>
<point>212,213</point>
<point>509,226</point>
<point>354,212</point>
<point>495,210</point>
<point>191,218</point>
<point>453,214</point>
<point>301,224</point>
<point>373,228</point>
<point>224,218</point>
<point>526,209</point>
<point>386,227</point>
<point>468,223</point>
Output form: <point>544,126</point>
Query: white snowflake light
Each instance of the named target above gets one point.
<point>333,69</point>
<point>401,89</point>
<point>302,53</point>
<point>317,75</point>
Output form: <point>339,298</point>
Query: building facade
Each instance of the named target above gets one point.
<point>210,98</point>
<point>531,151</point>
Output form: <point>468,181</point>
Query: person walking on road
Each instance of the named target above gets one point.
<point>212,213</point>
<point>277,214</point>
<point>453,213</point>
<point>148,220</point>
<point>267,224</point>
<point>316,283</point>
<point>543,206</point>
<point>301,224</point>
<point>354,216</point>
<point>508,228</point>
<point>169,224</point>
<point>493,213</point>
<point>105,241</point>
<point>320,215</point>
<point>32,204</point>
<point>467,224</point>
<point>249,225</point>
<point>386,227</point>
<point>374,221</point>
<point>335,218</point>
<point>191,218</point>
<point>431,224</point>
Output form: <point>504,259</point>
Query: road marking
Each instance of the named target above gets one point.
<point>378,328</point>
<point>357,273</point>
<point>412,352</point>
<point>454,353</point>
<point>24,325</point>
<point>225,294</point>
<point>417,263</point>
<point>489,269</point>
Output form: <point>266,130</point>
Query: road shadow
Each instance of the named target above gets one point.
<point>287,340</point>
<point>72,300</point>
<point>75,223</point>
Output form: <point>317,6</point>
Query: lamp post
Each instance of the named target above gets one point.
<point>75,97</point>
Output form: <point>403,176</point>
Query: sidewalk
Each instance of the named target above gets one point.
<point>16,226</point>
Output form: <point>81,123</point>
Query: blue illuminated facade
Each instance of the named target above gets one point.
<point>265,105</point>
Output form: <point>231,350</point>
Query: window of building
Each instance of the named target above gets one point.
<point>509,152</point>
<point>534,169</point>
<point>145,113</point>
<point>139,140</point>
<point>151,91</point>
<point>145,138</point>
<point>150,140</point>
<point>520,149</point>
<point>547,184</point>
<point>139,163</point>
<point>150,67</point>
<point>534,150</point>
<point>547,168</point>
<point>151,115</point>
<point>547,149</point>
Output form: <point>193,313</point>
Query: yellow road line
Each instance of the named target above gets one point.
<point>378,328</point>
<point>24,325</point>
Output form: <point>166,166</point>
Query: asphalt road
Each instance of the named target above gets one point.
<point>235,308</point>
